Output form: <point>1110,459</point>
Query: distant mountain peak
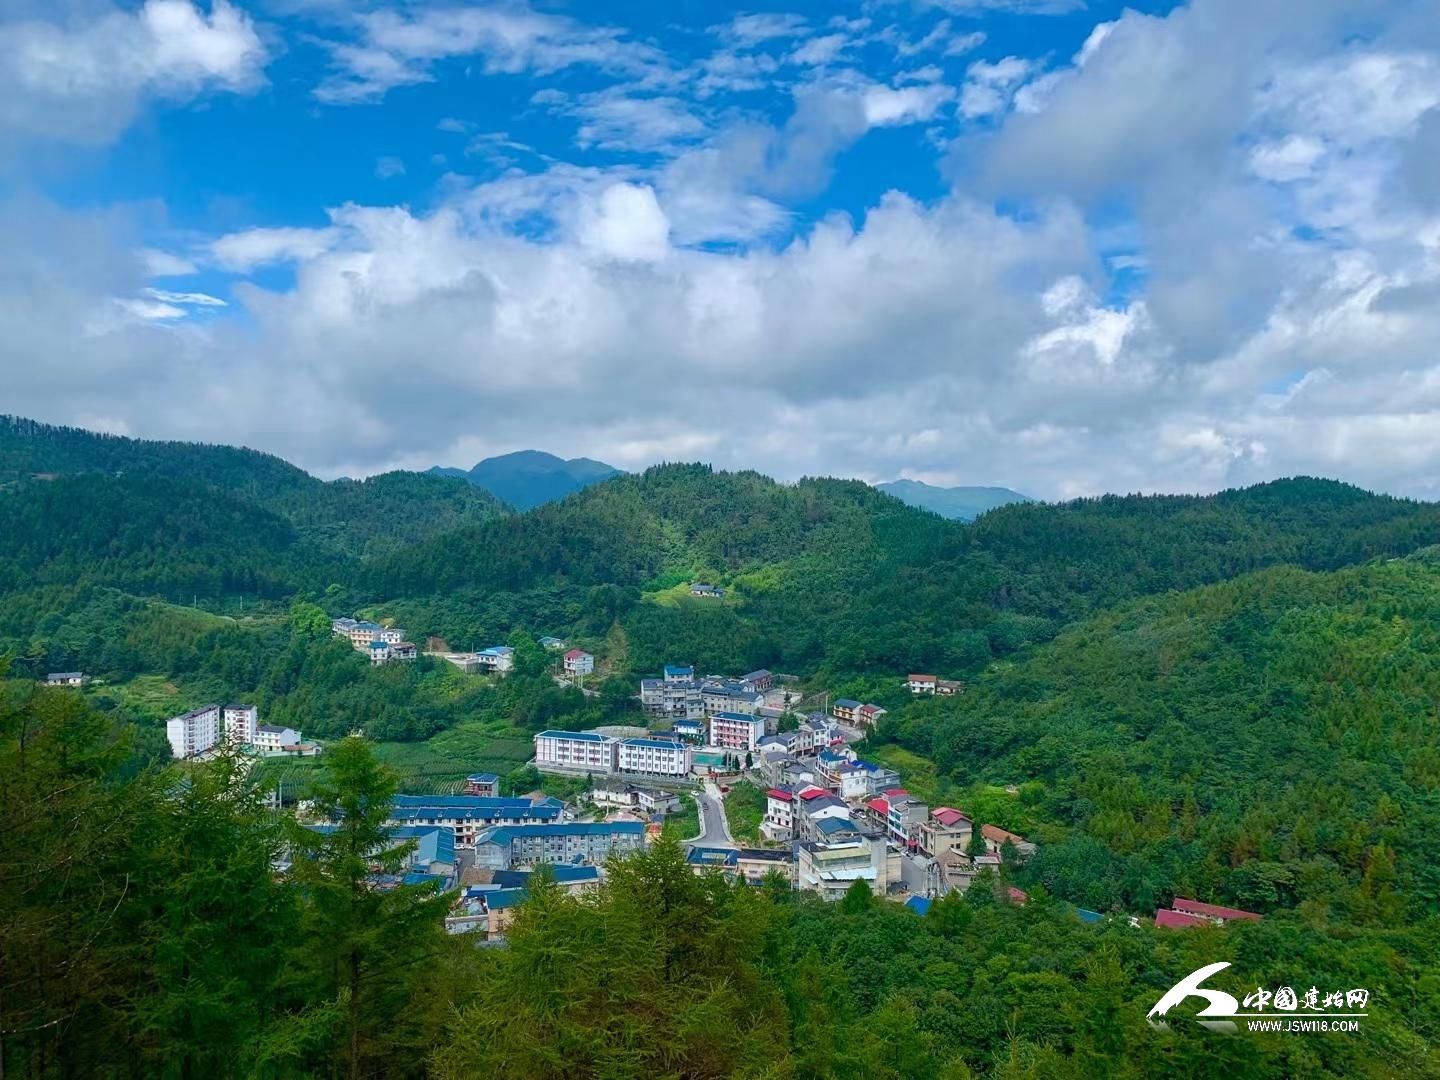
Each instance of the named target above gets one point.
<point>957,503</point>
<point>527,478</point>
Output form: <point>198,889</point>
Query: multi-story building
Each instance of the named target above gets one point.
<point>240,722</point>
<point>846,709</point>
<point>273,739</point>
<point>947,830</point>
<point>996,838</point>
<point>582,751</point>
<point>505,847</point>
<point>862,779</point>
<point>736,731</point>
<point>870,715</point>
<point>194,732</point>
<point>779,820</point>
<point>660,757</point>
<point>485,784</point>
<point>830,869</point>
<point>579,662</point>
<point>497,658</point>
<point>717,696</point>
<point>679,673</point>
<point>690,730</point>
<point>382,652</point>
<point>815,805</point>
<point>922,684</point>
<point>468,815</point>
<point>905,817</point>
<point>759,681</point>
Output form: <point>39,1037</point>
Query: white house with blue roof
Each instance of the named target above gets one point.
<point>656,756</point>
<point>505,847</point>
<point>571,751</point>
<point>467,815</point>
<point>496,658</point>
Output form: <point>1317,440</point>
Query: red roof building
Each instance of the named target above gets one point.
<point>783,796</point>
<point>1017,896</point>
<point>948,816</point>
<point>879,806</point>
<point>1213,911</point>
<point>812,792</point>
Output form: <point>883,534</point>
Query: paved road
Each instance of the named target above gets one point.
<point>714,829</point>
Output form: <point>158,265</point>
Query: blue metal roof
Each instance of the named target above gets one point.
<point>505,833</point>
<point>563,874</point>
<point>679,669</point>
<point>847,703</point>
<point>745,717</point>
<point>661,744</point>
<point>465,802</point>
<point>483,778</point>
<point>586,736</point>
<point>1086,915</point>
<point>700,856</point>
<point>831,825</point>
<point>918,904</point>
<point>498,650</point>
<point>505,898</point>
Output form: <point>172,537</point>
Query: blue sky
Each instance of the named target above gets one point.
<point>1067,247</point>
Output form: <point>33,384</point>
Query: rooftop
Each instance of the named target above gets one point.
<point>585,736</point>
<point>781,794</point>
<point>735,717</point>
<point>846,703</point>
<point>918,904</point>
<point>1212,911</point>
<point>1175,920</point>
<point>1001,836</point>
<point>659,744</point>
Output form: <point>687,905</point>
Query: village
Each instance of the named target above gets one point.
<point>825,818</point>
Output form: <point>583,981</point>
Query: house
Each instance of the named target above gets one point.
<point>657,800</point>
<point>702,860</point>
<point>754,865</point>
<point>779,821</point>
<point>836,830</point>
<point>829,763</point>
<point>497,658</point>
<point>736,731</point>
<point>921,684</point>
<point>661,757</point>
<point>273,739</point>
<point>845,709</point>
<point>869,715</point>
<point>996,838</point>
<point>485,784</point>
<point>713,592</point>
<point>948,829</point>
<point>759,681</point>
<point>363,634</point>
<point>906,815</point>
<point>679,673</point>
<point>1195,913</point>
<point>65,678</point>
<point>862,779</point>
<point>581,751</point>
<point>612,793</point>
<point>948,687</point>
<point>956,870</point>
<point>552,643</point>
<point>830,869</point>
<point>719,696</point>
<point>579,662</point>
<point>504,847</point>
<point>812,809</point>
<point>693,731</point>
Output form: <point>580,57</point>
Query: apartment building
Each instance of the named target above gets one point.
<point>830,869</point>
<point>194,732</point>
<point>659,757</point>
<point>469,815</point>
<point>506,847</point>
<point>779,823</point>
<point>579,662</point>
<point>947,830</point>
<point>583,751</point>
<point>736,731</point>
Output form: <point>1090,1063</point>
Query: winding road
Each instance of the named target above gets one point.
<point>714,829</point>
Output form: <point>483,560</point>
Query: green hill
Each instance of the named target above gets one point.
<point>1270,741</point>
<point>352,518</point>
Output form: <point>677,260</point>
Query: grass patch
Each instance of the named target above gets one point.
<point>918,775</point>
<point>744,810</point>
<point>151,698</point>
<point>685,824</point>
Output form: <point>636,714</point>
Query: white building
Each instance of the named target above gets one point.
<point>240,722</point>
<point>830,869</point>
<point>587,751</point>
<point>661,757</point>
<point>922,684</point>
<point>194,732</point>
<point>736,731</point>
<point>382,652</point>
<point>273,739</point>
<point>497,658</point>
<point>65,678</point>
<point>579,662</point>
<point>779,820</point>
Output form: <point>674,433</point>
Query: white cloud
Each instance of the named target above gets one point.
<point>907,105</point>
<point>193,299</point>
<point>989,87</point>
<point>398,48</point>
<point>251,248</point>
<point>388,167</point>
<point>1290,158</point>
<point>82,79</point>
<point>626,222</point>
<point>757,28</point>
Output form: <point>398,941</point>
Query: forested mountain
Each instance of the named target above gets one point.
<point>1271,741</point>
<point>345,517</point>
<point>956,503</point>
<point>527,478</point>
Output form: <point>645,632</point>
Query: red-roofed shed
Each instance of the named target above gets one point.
<point>1213,911</point>
<point>1177,920</point>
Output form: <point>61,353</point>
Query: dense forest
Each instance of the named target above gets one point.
<point>143,932</point>
<point>1232,697</point>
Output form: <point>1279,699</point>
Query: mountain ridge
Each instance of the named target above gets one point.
<point>963,503</point>
<point>525,479</point>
